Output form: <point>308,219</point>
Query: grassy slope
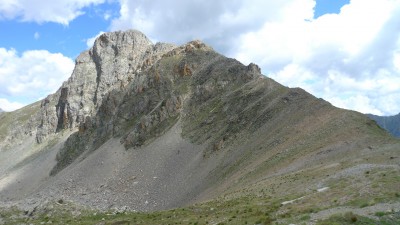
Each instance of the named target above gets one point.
<point>253,205</point>
<point>11,120</point>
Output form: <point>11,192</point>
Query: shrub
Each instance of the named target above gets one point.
<point>305,217</point>
<point>351,217</point>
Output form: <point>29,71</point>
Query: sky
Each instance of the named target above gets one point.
<point>344,51</point>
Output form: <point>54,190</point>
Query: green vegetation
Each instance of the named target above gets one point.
<point>380,214</point>
<point>248,209</point>
<point>351,218</point>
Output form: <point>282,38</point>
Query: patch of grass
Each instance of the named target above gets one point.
<point>251,209</point>
<point>351,218</point>
<point>380,214</point>
<point>251,206</point>
<point>305,217</point>
<point>364,204</point>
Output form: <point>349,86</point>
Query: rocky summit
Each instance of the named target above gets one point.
<point>143,127</point>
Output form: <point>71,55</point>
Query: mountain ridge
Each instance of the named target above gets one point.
<point>153,127</point>
<point>389,123</point>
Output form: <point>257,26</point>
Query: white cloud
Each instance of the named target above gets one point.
<point>351,58</point>
<point>359,103</point>
<point>90,41</point>
<point>107,15</point>
<point>346,57</point>
<point>61,11</point>
<point>218,22</point>
<point>9,106</point>
<point>32,75</point>
<point>36,35</point>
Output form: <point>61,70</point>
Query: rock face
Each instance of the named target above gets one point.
<point>389,123</point>
<point>18,126</point>
<point>140,111</point>
<point>114,60</point>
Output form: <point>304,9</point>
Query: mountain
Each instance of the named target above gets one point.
<point>143,127</point>
<point>389,123</point>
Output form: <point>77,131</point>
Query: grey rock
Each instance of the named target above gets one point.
<point>153,99</point>
<point>21,125</point>
<point>114,60</point>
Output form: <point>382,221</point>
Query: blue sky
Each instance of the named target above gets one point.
<point>347,52</point>
<point>69,39</point>
<point>323,7</point>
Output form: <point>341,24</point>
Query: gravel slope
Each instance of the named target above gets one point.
<point>167,173</point>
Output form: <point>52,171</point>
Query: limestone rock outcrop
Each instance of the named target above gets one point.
<point>114,60</point>
<point>177,85</point>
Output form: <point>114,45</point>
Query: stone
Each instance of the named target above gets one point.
<point>111,64</point>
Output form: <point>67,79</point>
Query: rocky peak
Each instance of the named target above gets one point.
<point>113,61</point>
<point>183,84</point>
<point>1,110</point>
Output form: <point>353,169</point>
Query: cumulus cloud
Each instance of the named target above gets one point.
<point>62,11</point>
<point>34,73</point>
<point>9,106</point>
<point>351,58</point>
<point>218,22</point>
